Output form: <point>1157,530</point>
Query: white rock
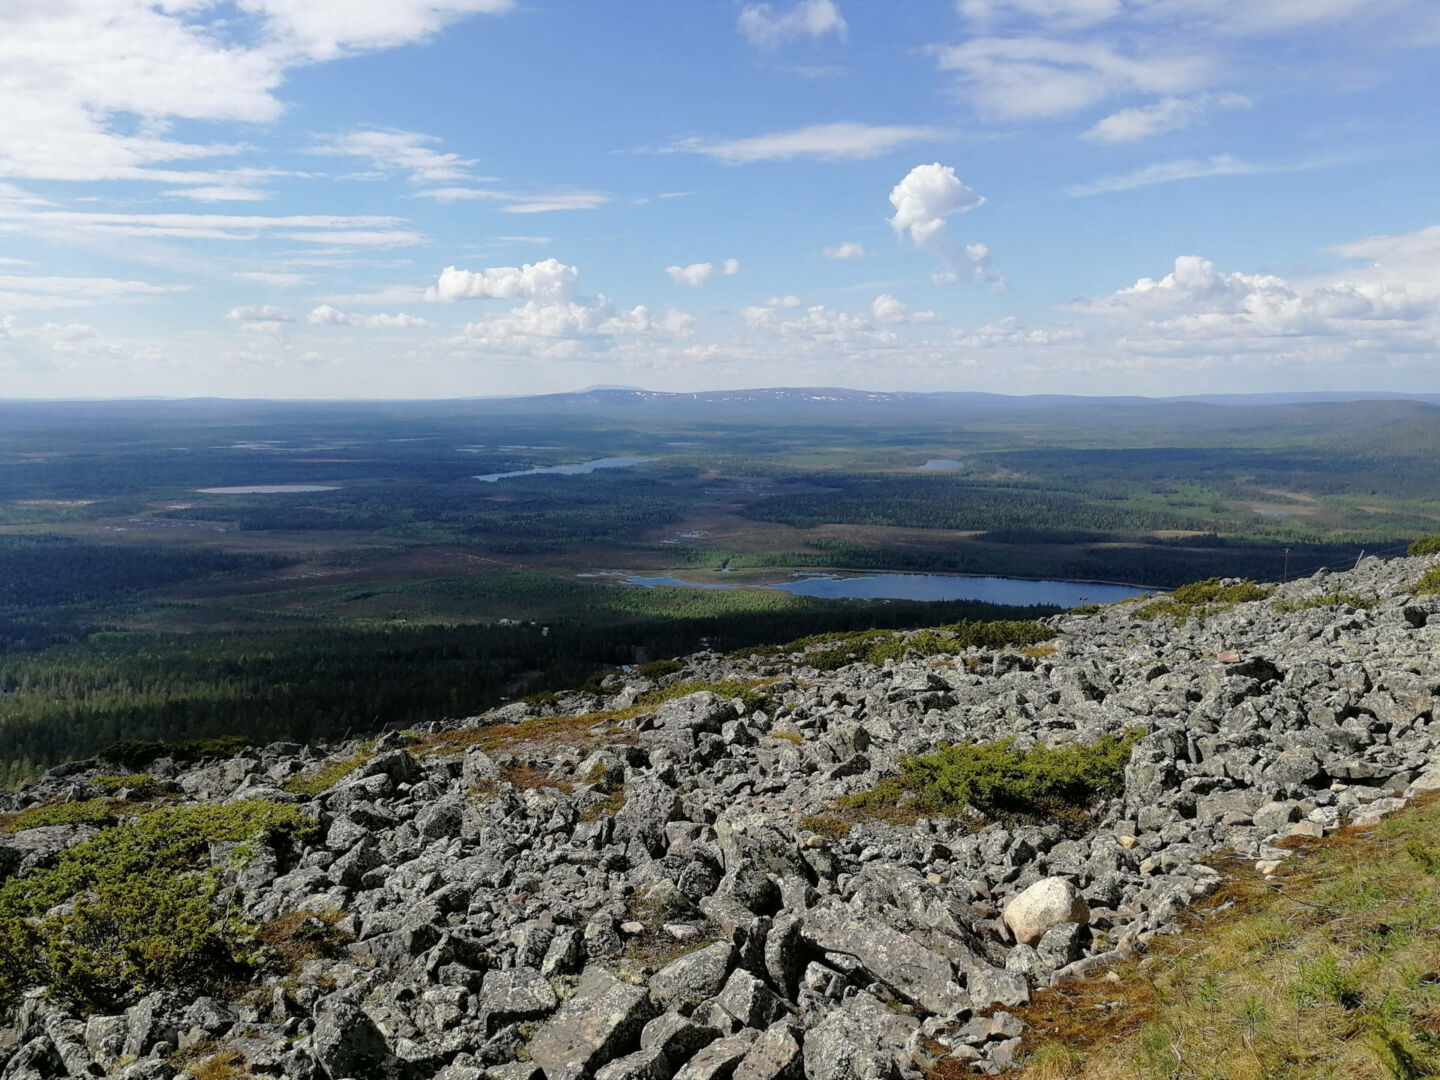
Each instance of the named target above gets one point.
<point>1049,901</point>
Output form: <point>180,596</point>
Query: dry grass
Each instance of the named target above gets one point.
<point>302,936</point>
<point>1330,971</point>
<point>522,778</point>
<point>1039,652</point>
<point>329,773</point>
<point>609,808</point>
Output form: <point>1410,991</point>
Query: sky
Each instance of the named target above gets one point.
<point>457,198</point>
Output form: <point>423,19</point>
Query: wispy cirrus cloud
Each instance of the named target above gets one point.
<point>819,142</point>
<point>1168,172</point>
<point>765,28</point>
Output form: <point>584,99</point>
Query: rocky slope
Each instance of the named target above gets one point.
<point>621,890</point>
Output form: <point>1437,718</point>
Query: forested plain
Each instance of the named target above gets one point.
<point>136,604</point>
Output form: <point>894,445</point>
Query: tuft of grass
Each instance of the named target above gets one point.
<point>1335,599</point>
<point>1426,545</point>
<point>1429,581</point>
<point>1328,970</point>
<point>1202,597</point>
<point>999,781</point>
<point>522,778</point>
<point>608,808</point>
<point>302,936</point>
<point>658,669</point>
<point>875,647</point>
<point>832,826</point>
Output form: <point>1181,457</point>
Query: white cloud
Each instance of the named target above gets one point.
<point>572,329</point>
<point>92,85</point>
<point>697,274</point>
<point>549,279</point>
<point>1032,77</point>
<point>764,28</point>
<point>312,228</point>
<point>822,142</point>
<point>887,309</point>
<point>392,150</point>
<point>265,313</point>
<point>519,203</point>
<point>1165,115</point>
<point>923,201</point>
<point>1166,172</point>
<point>35,291</point>
<point>847,250</point>
<point>220,193</point>
<point>325,315</point>
<point>279,279</point>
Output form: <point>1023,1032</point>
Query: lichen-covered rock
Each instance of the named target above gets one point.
<point>601,1022</point>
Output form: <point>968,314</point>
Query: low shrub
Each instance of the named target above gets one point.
<point>140,908</point>
<point>1429,581</point>
<point>1202,596</point>
<point>876,647</point>
<point>997,780</point>
<point>1426,545</point>
<point>329,773</point>
<point>658,669</point>
<point>79,812</point>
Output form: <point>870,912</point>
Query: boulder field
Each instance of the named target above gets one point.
<point>603,890</point>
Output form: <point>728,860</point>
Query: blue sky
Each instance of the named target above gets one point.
<point>417,198</point>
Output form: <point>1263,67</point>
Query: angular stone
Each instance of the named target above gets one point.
<point>600,1023</point>
<point>910,969</point>
<point>515,994</point>
<point>857,1041</point>
<point>684,983</point>
<point>641,1065</point>
<point>749,1000</point>
<point>346,1042</point>
<point>775,1055</point>
<point>676,1036</point>
<point>719,1060</point>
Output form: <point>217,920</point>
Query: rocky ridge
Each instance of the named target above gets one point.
<point>616,891</point>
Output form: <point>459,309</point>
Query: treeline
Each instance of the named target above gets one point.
<point>69,702</point>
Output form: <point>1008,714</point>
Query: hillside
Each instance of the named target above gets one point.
<point>856,856</point>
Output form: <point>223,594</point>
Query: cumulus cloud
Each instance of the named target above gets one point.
<point>887,309</point>
<point>847,250</point>
<point>549,279</point>
<point>923,201</point>
<point>697,274</point>
<point>262,313</point>
<point>1166,115</point>
<point>325,315</point>
<point>573,329</point>
<point>765,28</point>
<point>820,142</point>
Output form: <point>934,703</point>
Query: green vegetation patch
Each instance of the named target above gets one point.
<point>329,773</point>
<point>78,812</point>
<point>658,669</point>
<point>1326,970</point>
<point>876,647</point>
<point>1202,597</point>
<point>999,781</point>
<point>1429,581</point>
<point>1426,545</point>
<point>142,908</point>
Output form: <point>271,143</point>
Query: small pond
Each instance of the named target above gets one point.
<point>991,590</point>
<point>568,470</point>
<point>268,489</point>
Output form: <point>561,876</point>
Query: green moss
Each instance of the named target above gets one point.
<point>1426,545</point>
<point>1201,597</point>
<point>999,781</point>
<point>1429,581</point>
<point>142,908</point>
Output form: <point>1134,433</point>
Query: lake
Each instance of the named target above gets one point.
<point>568,470</point>
<point>268,489</point>
<point>991,590</point>
<point>941,465</point>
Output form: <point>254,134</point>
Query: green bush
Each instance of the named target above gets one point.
<point>658,669</point>
<point>1426,545</point>
<point>142,908</point>
<point>999,781</point>
<point>1199,596</point>
<point>79,812</point>
<point>875,647</point>
<point>1429,581</point>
